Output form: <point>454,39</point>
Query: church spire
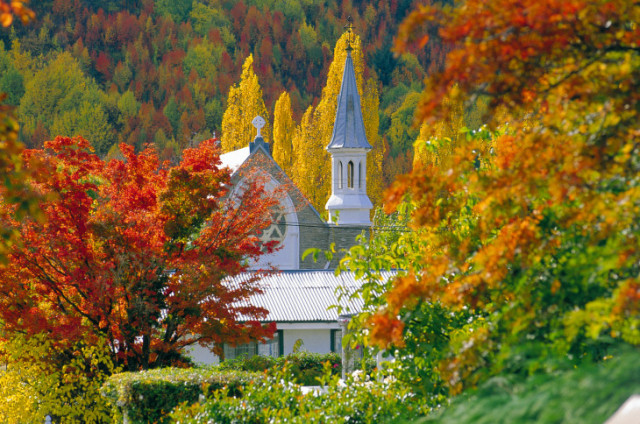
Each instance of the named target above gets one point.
<point>348,127</point>
<point>349,203</point>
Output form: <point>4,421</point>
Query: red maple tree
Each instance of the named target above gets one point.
<point>135,253</point>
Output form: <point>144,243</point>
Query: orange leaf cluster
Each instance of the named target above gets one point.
<point>16,8</point>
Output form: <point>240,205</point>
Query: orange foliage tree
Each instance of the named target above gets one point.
<point>535,228</point>
<point>135,253</point>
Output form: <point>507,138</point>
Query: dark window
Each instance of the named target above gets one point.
<point>336,341</point>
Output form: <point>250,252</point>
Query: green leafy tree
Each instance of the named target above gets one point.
<point>172,112</point>
<point>66,102</point>
<point>392,245</point>
<point>89,120</point>
<point>207,17</point>
<point>402,133</point>
<point>178,10</point>
<point>122,76</point>
<point>204,58</point>
<point>213,112</point>
<point>11,80</point>
<point>11,83</point>
<point>128,106</point>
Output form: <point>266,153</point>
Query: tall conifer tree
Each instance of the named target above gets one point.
<point>244,103</point>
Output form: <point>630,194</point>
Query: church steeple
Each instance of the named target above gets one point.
<point>348,128</point>
<point>349,203</point>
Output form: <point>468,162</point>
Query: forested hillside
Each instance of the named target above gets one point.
<point>144,71</point>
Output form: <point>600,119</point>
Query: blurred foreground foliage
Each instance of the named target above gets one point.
<point>588,394</point>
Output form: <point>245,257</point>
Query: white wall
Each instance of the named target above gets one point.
<point>317,341</point>
<point>202,355</point>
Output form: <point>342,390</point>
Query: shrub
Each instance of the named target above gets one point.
<point>277,399</point>
<point>148,396</point>
<point>41,379</point>
<point>305,367</point>
<point>255,363</point>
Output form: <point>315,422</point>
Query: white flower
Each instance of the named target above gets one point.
<point>389,379</point>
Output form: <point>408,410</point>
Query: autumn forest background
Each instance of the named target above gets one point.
<point>160,72</point>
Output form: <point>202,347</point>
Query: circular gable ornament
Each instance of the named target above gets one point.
<point>258,122</point>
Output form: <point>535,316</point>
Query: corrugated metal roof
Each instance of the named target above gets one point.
<point>305,295</point>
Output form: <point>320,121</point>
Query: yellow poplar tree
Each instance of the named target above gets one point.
<point>310,158</point>
<point>370,106</point>
<point>423,153</point>
<point>312,170</point>
<point>436,143</point>
<point>244,103</point>
<point>283,131</point>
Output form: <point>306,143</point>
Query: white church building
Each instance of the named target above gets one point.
<point>299,297</point>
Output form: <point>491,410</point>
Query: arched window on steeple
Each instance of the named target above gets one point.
<point>340,174</point>
<point>350,174</point>
<point>360,177</point>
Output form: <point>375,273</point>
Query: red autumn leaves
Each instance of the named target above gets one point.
<point>134,251</point>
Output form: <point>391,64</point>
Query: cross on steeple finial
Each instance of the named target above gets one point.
<point>349,28</point>
<point>258,122</point>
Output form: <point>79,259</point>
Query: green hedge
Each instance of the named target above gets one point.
<point>149,396</point>
<point>358,400</point>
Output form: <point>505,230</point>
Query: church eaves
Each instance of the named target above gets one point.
<point>348,127</point>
